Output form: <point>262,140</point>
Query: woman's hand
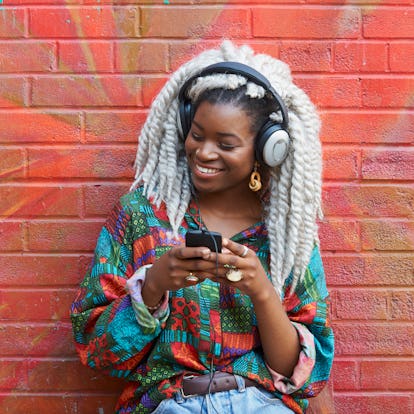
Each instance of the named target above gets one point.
<point>238,261</point>
<point>181,266</point>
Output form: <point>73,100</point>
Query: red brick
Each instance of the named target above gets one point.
<point>150,89</point>
<point>340,163</point>
<point>339,235</point>
<point>387,375</point>
<point>78,22</point>
<point>27,56</point>
<point>306,22</point>
<point>63,237</point>
<point>183,22</point>
<point>12,22</point>
<point>344,270</point>
<point>41,270</point>
<point>397,270</point>
<point>185,50</point>
<point>388,23</point>
<point>345,375</point>
<point>91,91</point>
<point>388,164</point>
<point>363,2</point>
<point>36,404</point>
<point>332,92</point>
<point>360,57</point>
<point>369,270</point>
<point>139,56</point>
<point>96,404</point>
<point>373,404</point>
<point>387,235</point>
<point>372,201</point>
<point>402,305</point>
<point>11,236</point>
<point>388,93</point>
<point>12,92</point>
<point>47,376</point>
<point>40,127</point>
<point>12,165</point>
<point>100,199</point>
<point>13,375</point>
<point>374,339</point>
<point>97,162</point>
<point>401,56</point>
<point>36,305</point>
<point>361,304</point>
<point>53,404</point>
<point>352,127</point>
<point>37,201</point>
<point>307,56</point>
<point>85,56</point>
<point>180,53</point>
<point>36,340</point>
<point>113,126</point>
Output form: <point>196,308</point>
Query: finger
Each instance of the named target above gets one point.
<point>236,248</point>
<point>184,252</point>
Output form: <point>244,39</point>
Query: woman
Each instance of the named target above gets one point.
<point>190,328</point>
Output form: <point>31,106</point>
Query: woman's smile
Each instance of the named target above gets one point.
<point>219,148</point>
<point>206,170</point>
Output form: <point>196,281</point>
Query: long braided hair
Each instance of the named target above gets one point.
<point>294,189</point>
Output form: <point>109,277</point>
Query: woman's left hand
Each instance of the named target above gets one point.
<point>239,267</point>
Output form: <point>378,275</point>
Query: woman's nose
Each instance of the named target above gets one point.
<point>207,151</point>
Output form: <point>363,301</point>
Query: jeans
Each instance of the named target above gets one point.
<point>248,400</point>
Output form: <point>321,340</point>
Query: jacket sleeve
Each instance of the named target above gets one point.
<point>107,333</point>
<point>308,310</point>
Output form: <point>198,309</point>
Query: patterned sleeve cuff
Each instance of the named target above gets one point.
<point>303,368</point>
<point>144,317</point>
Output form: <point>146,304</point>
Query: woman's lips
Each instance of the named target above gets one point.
<point>206,170</point>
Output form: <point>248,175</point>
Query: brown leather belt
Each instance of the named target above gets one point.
<point>202,384</point>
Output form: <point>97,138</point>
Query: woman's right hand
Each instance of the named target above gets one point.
<point>169,272</point>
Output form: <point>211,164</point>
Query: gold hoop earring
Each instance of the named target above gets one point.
<point>255,183</point>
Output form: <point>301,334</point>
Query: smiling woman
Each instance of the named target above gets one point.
<point>220,151</point>
<point>198,329</point>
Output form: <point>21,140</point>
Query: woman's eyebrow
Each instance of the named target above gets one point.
<point>221,134</point>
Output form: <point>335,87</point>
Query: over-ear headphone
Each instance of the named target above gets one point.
<point>272,140</point>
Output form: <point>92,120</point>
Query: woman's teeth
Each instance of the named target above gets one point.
<point>206,170</point>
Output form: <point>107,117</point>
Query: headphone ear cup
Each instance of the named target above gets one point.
<point>272,145</point>
<point>186,113</point>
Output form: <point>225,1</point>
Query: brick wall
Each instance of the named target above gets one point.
<point>75,83</point>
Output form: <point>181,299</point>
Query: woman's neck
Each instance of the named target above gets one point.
<point>229,213</point>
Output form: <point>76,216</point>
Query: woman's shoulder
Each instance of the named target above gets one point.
<point>136,202</point>
<point>134,199</point>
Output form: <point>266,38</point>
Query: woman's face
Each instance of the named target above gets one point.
<point>220,148</point>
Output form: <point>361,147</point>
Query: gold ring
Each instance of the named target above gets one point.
<point>245,251</point>
<point>192,278</point>
<point>234,275</point>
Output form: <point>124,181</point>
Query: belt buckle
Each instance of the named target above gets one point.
<point>182,389</point>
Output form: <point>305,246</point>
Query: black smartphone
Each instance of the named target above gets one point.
<point>210,239</point>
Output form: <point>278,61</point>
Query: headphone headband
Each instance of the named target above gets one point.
<point>272,141</point>
<point>241,69</point>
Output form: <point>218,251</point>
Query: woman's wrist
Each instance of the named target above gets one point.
<point>264,295</point>
<point>151,295</point>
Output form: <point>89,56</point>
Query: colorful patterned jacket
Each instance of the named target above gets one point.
<point>198,328</point>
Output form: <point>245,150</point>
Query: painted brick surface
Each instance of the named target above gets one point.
<point>76,81</point>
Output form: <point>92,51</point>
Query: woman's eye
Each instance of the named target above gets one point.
<point>196,136</point>
<point>226,147</point>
